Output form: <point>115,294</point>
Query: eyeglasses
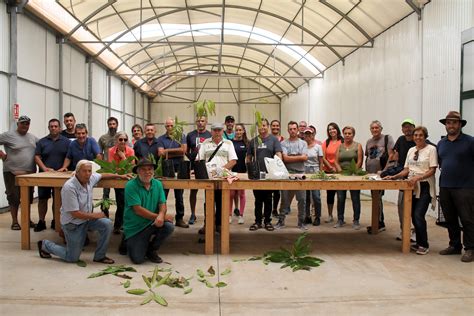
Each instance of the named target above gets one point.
<point>123,139</point>
<point>416,155</point>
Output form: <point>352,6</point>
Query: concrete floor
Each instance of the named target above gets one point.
<point>362,275</point>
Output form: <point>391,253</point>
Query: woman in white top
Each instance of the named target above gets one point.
<point>420,167</point>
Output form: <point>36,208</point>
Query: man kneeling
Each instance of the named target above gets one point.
<point>77,217</point>
<point>145,223</point>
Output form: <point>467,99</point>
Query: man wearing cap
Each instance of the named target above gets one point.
<point>77,216</point>
<point>229,127</point>
<point>50,153</point>
<point>223,155</point>
<point>145,222</point>
<point>18,159</point>
<point>456,183</point>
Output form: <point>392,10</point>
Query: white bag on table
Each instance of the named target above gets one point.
<point>276,169</point>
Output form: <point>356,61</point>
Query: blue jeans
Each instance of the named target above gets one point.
<point>314,195</point>
<point>419,207</point>
<point>287,197</point>
<point>179,204</point>
<point>341,203</point>
<point>148,240</point>
<point>76,235</point>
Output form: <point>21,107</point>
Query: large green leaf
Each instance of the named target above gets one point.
<point>137,291</point>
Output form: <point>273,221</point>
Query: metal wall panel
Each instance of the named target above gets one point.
<point>31,50</point>
<point>75,72</point>
<point>128,102</point>
<point>116,93</point>
<point>4,125</point>
<point>4,38</point>
<point>52,57</point>
<point>99,84</point>
<point>138,105</point>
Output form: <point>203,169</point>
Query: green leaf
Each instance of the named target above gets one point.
<point>137,291</point>
<point>81,263</point>
<point>208,284</point>
<point>188,290</point>
<point>226,271</point>
<point>147,281</point>
<point>200,273</point>
<point>163,280</point>
<point>96,275</point>
<point>147,299</point>
<point>126,284</point>
<point>160,299</point>
<point>255,258</point>
<point>239,260</point>
<point>211,271</point>
<point>221,284</point>
<point>155,275</point>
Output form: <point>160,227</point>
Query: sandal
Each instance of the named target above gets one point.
<point>43,254</point>
<point>105,260</point>
<point>269,227</point>
<point>255,226</point>
<point>15,226</point>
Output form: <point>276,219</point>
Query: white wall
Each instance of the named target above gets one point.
<point>412,71</point>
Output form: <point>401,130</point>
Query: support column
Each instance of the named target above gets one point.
<point>60,42</point>
<point>109,94</point>
<point>89,94</point>
<point>13,78</point>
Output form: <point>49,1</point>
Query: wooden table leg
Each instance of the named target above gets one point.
<point>25,217</point>
<point>406,227</point>
<point>375,211</point>
<point>56,208</point>
<point>225,243</point>
<point>209,234</point>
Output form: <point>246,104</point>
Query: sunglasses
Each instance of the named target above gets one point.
<point>123,139</point>
<point>416,156</point>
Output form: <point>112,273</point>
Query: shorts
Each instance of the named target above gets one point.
<point>12,191</point>
<point>44,193</point>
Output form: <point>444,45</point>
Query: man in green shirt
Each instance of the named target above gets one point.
<point>145,222</point>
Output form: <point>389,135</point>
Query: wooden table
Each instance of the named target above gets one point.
<point>57,180</point>
<point>342,183</point>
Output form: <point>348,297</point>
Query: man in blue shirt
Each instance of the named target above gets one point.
<point>49,156</point>
<point>148,144</point>
<point>456,184</point>
<point>169,148</point>
<point>83,147</point>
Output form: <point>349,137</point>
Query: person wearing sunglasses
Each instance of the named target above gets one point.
<point>420,167</point>
<point>118,153</point>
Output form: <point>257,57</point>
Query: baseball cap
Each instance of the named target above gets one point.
<point>23,118</point>
<point>408,121</point>
<point>217,126</point>
<point>308,130</point>
<point>229,118</point>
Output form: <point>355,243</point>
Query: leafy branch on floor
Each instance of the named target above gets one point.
<point>321,175</point>
<point>297,258</point>
<point>203,278</point>
<point>114,270</point>
<point>353,170</point>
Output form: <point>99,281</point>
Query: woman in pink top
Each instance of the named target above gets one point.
<point>330,147</point>
<point>119,152</point>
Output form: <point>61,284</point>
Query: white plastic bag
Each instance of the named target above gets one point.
<point>276,169</point>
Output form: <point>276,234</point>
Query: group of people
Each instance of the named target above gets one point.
<point>141,206</point>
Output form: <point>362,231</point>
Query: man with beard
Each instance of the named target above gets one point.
<point>70,124</point>
<point>229,127</point>
<point>145,223</point>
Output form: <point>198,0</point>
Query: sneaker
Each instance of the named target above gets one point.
<point>40,226</point>
<point>414,248</point>
<point>280,224</point>
<point>192,219</point>
<point>303,227</point>
<point>422,250</point>
<point>181,223</point>
<point>356,225</point>
<point>412,237</point>
<point>339,224</point>
<point>381,228</point>
<point>275,214</point>
<point>317,221</point>
<point>236,212</point>
<point>450,251</point>
<point>307,220</point>
<point>329,220</point>
<point>230,219</point>
<point>241,220</point>
<point>468,256</point>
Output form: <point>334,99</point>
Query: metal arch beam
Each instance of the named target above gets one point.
<point>222,36</point>
<point>252,80</point>
<point>192,33</point>
<point>212,65</point>
<point>185,47</point>
<point>228,56</point>
<point>90,16</point>
<point>228,6</point>
<point>253,26</point>
<point>348,19</point>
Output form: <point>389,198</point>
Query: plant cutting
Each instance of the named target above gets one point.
<point>123,167</point>
<point>321,175</point>
<point>353,170</point>
<point>114,270</point>
<point>205,108</point>
<point>105,203</point>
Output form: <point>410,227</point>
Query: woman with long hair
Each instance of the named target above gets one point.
<point>330,146</point>
<point>240,145</point>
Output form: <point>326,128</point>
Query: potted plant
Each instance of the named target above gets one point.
<point>253,168</point>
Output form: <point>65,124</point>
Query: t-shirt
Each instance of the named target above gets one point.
<point>374,149</point>
<point>142,148</point>
<point>106,142</point>
<point>194,139</point>
<point>426,158</point>
<point>312,164</point>
<point>267,149</point>
<point>20,150</point>
<point>52,152</point>
<point>225,153</point>
<point>241,151</point>
<point>67,135</point>
<point>401,147</point>
<point>75,197</point>
<point>294,148</point>
<point>330,152</point>
<point>456,161</point>
<point>137,194</point>
<point>165,142</point>
<point>229,136</point>
<point>88,151</point>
